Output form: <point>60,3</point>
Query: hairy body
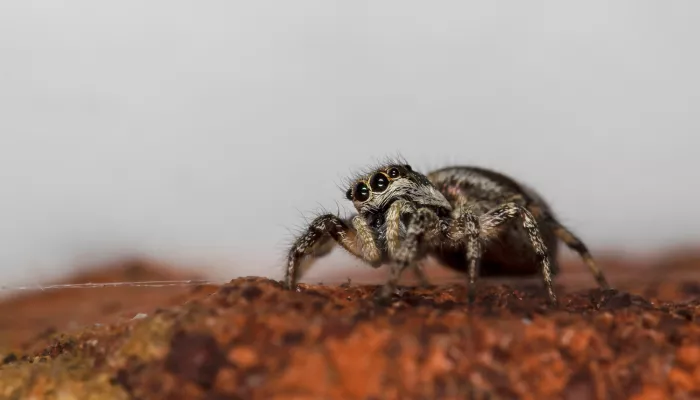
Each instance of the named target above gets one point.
<point>470,219</point>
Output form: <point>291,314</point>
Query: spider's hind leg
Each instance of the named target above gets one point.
<point>506,213</point>
<point>574,243</point>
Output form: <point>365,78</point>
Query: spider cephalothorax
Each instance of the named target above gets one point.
<point>373,193</point>
<point>471,219</point>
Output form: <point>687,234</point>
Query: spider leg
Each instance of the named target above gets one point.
<point>423,226</point>
<point>420,274</point>
<point>574,243</point>
<point>570,239</point>
<point>464,229</point>
<point>358,240</point>
<point>507,212</point>
<point>393,235</point>
<point>325,244</point>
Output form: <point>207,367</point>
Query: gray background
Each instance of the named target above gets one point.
<point>200,132</point>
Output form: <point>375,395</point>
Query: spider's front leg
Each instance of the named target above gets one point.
<point>424,224</point>
<point>393,235</point>
<point>505,213</point>
<point>358,240</point>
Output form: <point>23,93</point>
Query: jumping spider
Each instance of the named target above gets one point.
<point>470,219</point>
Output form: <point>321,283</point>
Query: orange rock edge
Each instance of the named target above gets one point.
<point>249,339</point>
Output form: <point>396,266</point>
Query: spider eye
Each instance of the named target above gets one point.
<point>379,183</point>
<point>348,194</point>
<point>394,173</point>
<point>361,192</point>
<point>408,167</point>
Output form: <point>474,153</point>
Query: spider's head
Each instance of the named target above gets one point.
<point>376,190</point>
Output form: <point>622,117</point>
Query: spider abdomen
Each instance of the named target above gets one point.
<point>509,251</point>
<point>509,254</point>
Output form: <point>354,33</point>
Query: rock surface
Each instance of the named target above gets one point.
<point>249,339</point>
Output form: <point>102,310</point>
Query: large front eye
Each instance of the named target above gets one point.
<point>361,192</point>
<point>379,183</point>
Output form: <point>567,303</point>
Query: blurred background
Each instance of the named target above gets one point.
<point>203,132</point>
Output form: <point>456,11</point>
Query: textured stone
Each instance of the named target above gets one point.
<point>251,339</point>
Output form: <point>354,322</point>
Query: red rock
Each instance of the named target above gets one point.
<point>681,380</point>
<point>689,356</point>
<point>251,339</point>
<point>651,393</point>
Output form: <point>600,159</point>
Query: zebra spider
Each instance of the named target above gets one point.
<point>470,219</point>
